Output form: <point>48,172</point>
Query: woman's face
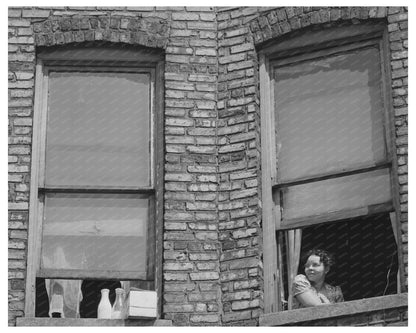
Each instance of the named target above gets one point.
<point>315,270</point>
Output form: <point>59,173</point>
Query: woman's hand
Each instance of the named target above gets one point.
<point>324,299</point>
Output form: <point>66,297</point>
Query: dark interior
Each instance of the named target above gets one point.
<point>365,253</point>
<point>91,293</point>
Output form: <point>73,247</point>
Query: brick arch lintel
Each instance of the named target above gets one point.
<point>282,21</point>
<point>149,32</point>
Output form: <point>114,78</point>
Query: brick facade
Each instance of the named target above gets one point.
<point>212,250</point>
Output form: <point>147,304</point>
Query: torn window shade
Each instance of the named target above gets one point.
<point>337,194</point>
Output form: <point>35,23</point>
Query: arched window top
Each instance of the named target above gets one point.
<point>284,20</point>
<point>150,31</point>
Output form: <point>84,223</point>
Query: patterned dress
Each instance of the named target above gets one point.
<point>302,284</point>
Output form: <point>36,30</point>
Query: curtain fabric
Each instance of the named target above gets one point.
<point>293,243</point>
<point>393,221</point>
<point>64,295</point>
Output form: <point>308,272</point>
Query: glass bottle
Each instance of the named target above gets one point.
<point>118,306</point>
<point>104,308</point>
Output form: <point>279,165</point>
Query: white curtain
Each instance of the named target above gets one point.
<point>293,243</point>
<point>393,221</point>
<point>64,295</point>
<point>281,288</point>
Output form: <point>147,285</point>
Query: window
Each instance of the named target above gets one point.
<point>96,203</point>
<point>328,162</point>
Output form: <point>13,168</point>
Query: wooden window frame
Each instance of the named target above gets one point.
<point>109,59</point>
<point>304,46</point>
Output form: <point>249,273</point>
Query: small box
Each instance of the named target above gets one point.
<point>141,304</point>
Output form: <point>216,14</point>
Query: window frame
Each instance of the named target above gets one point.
<point>303,45</point>
<point>109,59</point>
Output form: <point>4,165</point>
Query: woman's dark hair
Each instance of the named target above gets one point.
<point>326,258</point>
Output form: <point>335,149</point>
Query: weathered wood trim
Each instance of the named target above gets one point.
<point>330,175</point>
<point>76,322</point>
<point>152,126</point>
<point>72,65</point>
<point>97,67</point>
<point>39,232</point>
<point>159,167</point>
<point>269,228</point>
<point>33,203</point>
<point>104,53</point>
<point>84,274</point>
<point>323,52</point>
<point>335,310</point>
<point>150,239</point>
<point>97,189</point>
<point>391,148</point>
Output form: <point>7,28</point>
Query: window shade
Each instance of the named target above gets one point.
<point>98,129</point>
<point>95,232</point>
<point>329,114</point>
<point>341,193</point>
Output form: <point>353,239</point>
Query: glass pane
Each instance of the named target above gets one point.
<point>95,232</point>
<point>337,194</point>
<point>98,129</point>
<point>329,114</point>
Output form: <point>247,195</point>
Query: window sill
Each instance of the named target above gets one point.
<point>335,310</point>
<point>22,321</point>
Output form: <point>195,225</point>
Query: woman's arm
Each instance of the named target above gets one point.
<point>309,298</point>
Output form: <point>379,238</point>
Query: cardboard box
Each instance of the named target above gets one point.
<point>141,304</point>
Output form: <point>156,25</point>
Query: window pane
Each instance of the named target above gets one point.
<point>337,194</point>
<point>98,129</point>
<point>329,114</point>
<point>95,232</point>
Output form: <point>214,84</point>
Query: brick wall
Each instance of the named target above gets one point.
<point>212,249</point>
<point>191,248</point>
<point>21,83</point>
<point>239,169</point>
<point>398,38</point>
<point>191,245</point>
